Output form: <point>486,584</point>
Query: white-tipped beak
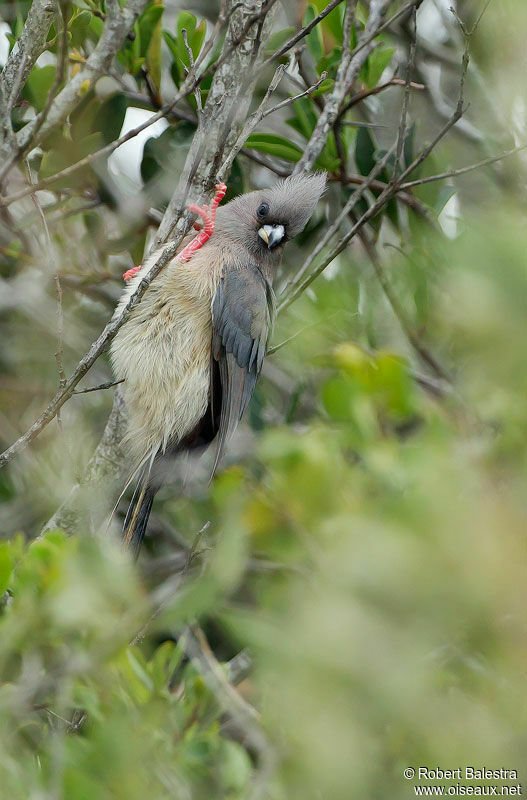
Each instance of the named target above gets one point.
<point>263,234</point>
<point>271,234</point>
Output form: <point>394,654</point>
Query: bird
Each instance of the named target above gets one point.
<point>191,351</point>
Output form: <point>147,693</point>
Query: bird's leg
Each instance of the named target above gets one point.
<point>208,215</point>
<point>129,274</point>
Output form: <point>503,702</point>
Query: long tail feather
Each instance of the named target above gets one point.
<point>136,520</point>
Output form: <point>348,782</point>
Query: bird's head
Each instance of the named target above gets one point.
<point>263,221</point>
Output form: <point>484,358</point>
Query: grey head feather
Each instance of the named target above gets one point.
<point>291,202</point>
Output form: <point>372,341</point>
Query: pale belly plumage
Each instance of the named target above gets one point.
<point>163,353</point>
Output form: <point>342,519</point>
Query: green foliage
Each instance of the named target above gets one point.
<point>395,526</point>
<point>120,722</point>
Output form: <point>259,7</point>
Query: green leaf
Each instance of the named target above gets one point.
<point>333,22</point>
<point>408,147</point>
<point>364,151</point>
<point>147,24</point>
<point>330,62</point>
<point>235,766</point>
<point>274,146</point>
<point>306,116</point>
<point>56,160</point>
<point>377,63</point>
<point>276,40</point>
<point>78,27</point>
<point>445,193</point>
<point>38,86</point>
<point>6,566</point>
<point>324,87</point>
<point>161,152</point>
<point>163,663</point>
<point>314,38</point>
<point>110,117</point>
<point>153,55</point>
<point>176,44</point>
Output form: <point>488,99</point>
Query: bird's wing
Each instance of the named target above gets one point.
<point>242,313</point>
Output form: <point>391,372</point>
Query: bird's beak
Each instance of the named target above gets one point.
<point>272,235</point>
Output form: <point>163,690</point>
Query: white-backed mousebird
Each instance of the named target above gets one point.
<point>192,350</point>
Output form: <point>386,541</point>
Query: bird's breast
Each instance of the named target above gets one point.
<point>163,354</point>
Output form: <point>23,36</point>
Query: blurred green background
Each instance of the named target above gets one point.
<point>365,543</point>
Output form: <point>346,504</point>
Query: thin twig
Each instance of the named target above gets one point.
<point>60,74</point>
<point>53,258</point>
<point>186,89</point>
<point>197,90</point>
<point>453,173</point>
<point>101,386</point>
<point>360,96</point>
<point>403,122</point>
<point>343,80</point>
<point>289,100</point>
<point>243,716</point>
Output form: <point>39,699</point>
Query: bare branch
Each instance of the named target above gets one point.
<point>453,173</point>
<point>242,715</point>
<point>23,56</point>
<point>403,122</point>
<point>197,91</point>
<point>300,283</point>
<point>333,102</point>
<point>107,385</point>
<point>360,96</point>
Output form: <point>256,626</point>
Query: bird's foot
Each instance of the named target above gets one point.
<point>208,215</point>
<point>130,273</point>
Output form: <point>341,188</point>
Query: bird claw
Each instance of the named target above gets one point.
<point>208,215</point>
<point>131,273</point>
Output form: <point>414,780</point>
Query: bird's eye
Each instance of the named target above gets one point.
<point>263,210</point>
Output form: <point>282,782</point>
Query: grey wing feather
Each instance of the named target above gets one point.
<point>242,313</point>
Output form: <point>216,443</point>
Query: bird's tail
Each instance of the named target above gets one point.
<point>136,520</point>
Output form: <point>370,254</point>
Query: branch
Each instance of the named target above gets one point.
<point>21,60</point>
<point>343,80</point>
<point>403,127</point>
<point>360,96</point>
<point>107,385</point>
<point>348,70</point>
<point>228,103</point>
<point>453,173</point>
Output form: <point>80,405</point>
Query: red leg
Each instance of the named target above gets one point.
<point>208,214</point>
<point>129,274</point>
